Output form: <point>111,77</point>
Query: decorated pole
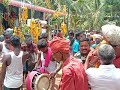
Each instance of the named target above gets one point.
<point>33,7</point>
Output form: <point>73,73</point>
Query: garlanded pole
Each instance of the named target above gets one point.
<point>33,7</point>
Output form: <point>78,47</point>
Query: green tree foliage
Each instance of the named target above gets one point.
<point>84,14</point>
<point>112,11</point>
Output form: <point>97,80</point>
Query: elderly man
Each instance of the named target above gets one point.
<point>73,74</point>
<point>107,76</point>
<point>111,34</point>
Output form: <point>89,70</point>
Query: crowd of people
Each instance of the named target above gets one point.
<point>89,60</point>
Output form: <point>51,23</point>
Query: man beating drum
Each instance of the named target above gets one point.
<point>73,73</point>
<point>45,67</point>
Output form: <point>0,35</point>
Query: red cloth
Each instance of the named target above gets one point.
<point>60,44</point>
<point>116,62</point>
<point>48,57</point>
<point>47,61</point>
<point>73,75</point>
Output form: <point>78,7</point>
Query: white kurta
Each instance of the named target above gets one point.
<point>106,77</point>
<point>52,65</point>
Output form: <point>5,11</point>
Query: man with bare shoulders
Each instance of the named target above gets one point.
<point>5,45</point>
<point>12,69</point>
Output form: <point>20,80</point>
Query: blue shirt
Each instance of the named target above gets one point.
<point>76,46</point>
<point>93,45</point>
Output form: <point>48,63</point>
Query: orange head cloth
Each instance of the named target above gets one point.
<point>60,44</point>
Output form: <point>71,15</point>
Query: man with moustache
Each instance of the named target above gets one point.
<point>84,50</point>
<point>73,74</point>
<point>111,35</point>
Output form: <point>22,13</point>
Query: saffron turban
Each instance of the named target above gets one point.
<point>111,34</point>
<point>60,44</point>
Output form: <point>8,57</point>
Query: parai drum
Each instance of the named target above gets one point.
<point>37,81</point>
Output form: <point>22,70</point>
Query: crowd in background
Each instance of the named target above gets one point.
<point>85,57</point>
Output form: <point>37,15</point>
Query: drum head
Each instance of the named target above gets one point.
<point>42,82</point>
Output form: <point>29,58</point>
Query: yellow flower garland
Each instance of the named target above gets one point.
<point>24,13</point>
<point>35,30</point>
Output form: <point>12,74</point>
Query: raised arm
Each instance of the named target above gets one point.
<point>91,59</point>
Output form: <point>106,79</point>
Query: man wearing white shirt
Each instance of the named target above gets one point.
<point>107,76</point>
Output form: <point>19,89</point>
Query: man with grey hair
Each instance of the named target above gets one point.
<point>107,76</point>
<point>106,54</point>
<point>111,35</point>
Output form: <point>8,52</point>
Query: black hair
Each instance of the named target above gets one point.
<point>15,41</point>
<point>77,34</point>
<point>71,33</point>
<point>29,40</point>
<point>59,30</point>
<point>43,36</point>
<point>85,39</point>
<point>42,43</point>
